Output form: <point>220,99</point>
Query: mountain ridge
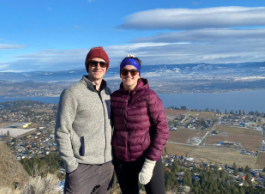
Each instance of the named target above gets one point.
<point>205,69</point>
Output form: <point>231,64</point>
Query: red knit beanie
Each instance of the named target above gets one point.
<point>96,52</point>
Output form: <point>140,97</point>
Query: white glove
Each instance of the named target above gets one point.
<point>147,171</point>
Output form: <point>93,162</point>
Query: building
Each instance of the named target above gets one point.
<point>20,125</point>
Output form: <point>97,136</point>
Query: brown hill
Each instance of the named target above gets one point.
<point>12,172</point>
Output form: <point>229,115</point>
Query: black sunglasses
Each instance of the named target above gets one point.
<point>95,63</point>
<point>132,71</point>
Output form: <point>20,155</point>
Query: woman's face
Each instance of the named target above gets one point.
<point>129,81</point>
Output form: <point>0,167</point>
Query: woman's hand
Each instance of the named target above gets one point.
<point>147,171</point>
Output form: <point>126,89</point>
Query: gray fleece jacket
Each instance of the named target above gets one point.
<point>83,125</point>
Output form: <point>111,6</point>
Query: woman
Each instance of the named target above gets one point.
<point>140,131</point>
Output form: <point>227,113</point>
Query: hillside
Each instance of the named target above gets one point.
<point>11,171</point>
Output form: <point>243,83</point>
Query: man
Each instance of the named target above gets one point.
<point>83,129</point>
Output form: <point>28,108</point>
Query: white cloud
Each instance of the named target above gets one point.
<point>49,60</point>
<point>213,52</point>
<point>3,66</point>
<point>177,19</point>
<point>208,35</point>
<point>200,46</point>
<point>10,46</point>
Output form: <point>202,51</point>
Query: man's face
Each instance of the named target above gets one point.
<point>96,72</point>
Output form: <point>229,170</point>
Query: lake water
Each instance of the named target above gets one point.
<point>246,100</point>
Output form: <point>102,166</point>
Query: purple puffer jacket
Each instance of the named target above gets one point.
<point>140,124</point>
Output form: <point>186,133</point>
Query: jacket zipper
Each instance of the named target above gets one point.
<point>126,116</point>
<point>99,93</point>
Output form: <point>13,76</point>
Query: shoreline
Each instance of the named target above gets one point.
<point>29,96</point>
<point>191,92</point>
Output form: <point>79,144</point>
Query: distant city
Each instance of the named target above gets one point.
<point>185,78</point>
<point>200,140</point>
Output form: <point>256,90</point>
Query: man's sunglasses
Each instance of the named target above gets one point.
<point>95,63</point>
<point>132,71</point>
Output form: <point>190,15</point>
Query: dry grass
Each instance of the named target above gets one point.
<point>262,159</point>
<point>202,115</point>
<point>5,190</point>
<point>224,156</point>
<point>240,130</point>
<point>182,135</point>
<point>252,142</point>
<point>48,184</point>
<point>179,149</point>
<point>249,139</point>
<point>172,112</point>
<point>219,155</point>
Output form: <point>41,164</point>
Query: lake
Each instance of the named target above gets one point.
<point>244,100</point>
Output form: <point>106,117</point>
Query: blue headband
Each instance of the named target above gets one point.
<point>130,61</point>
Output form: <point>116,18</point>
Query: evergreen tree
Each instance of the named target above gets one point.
<point>235,171</point>
<point>247,169</point>
<point>175,167</point>
<point>187,178</point>
<point>248,178</point>
<point>27,168</point>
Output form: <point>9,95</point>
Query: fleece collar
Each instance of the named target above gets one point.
<point>89,84</point>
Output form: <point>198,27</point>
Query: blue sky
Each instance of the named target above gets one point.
<point>55,35</point>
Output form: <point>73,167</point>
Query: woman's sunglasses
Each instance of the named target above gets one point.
<point>132,71</point>
<point>95,63</point>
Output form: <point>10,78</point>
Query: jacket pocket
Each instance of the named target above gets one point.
<point>146,140</point>
<point>82,147</point>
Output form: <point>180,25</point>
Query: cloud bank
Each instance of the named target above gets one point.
<point>182,19</point>
<point>199,36</point>
<point>208,35</point>
<point>10,46</point>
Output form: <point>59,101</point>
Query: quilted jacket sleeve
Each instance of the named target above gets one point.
<point>159,132</point>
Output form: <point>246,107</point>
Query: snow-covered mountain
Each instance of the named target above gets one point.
<point>183,71</point>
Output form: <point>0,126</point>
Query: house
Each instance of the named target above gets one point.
<point>20,149</point>
<point>168,169</point>
<point>189,159</point>
<point>52,149</point>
